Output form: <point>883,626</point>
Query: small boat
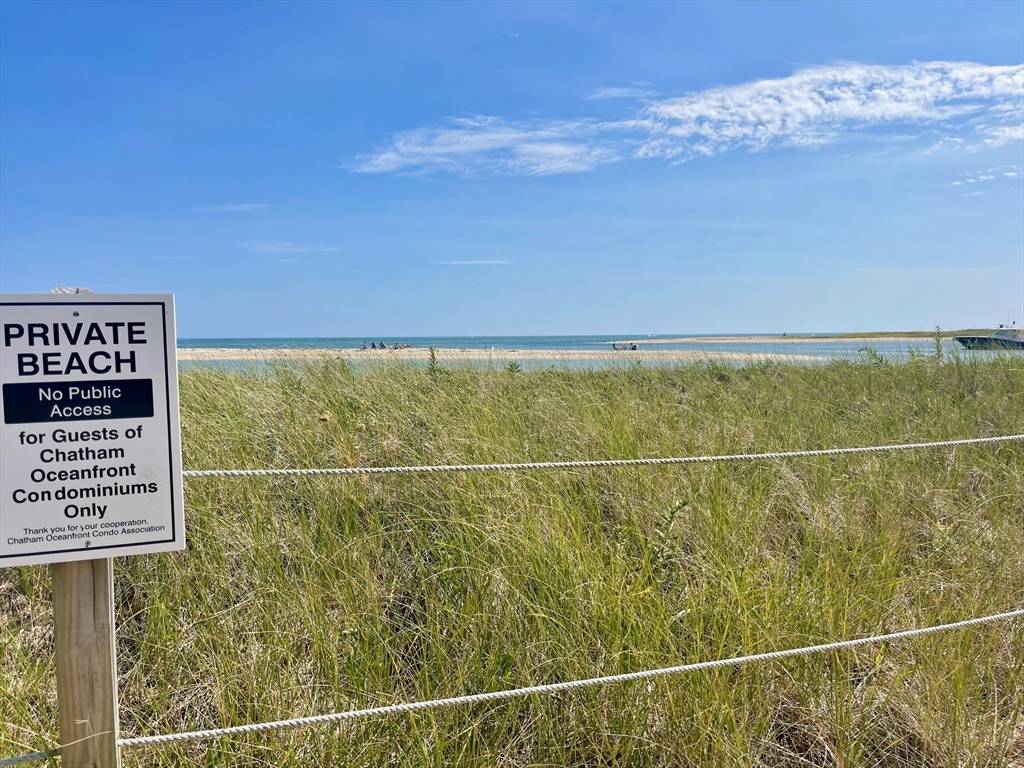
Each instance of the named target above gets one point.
<point>1004,338</point>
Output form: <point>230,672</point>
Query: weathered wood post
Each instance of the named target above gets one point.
<point>83,615</point>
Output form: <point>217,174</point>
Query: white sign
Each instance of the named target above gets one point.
<point>90,452</point>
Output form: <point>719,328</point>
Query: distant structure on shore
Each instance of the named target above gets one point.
<point>1007,337</point>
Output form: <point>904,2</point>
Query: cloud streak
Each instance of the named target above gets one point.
<point>622,92</point>
<point>231,208</point>
<point>975,105</point>
<point>473,263</point>
<point>989,174</point>
<point>998,135</point>
<point>472,144</point>
<point>287,247</point>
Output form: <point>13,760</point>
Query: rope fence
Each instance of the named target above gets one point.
<point>554,688</point>
<point>534,690</point>
<point>550,688</point>
<point>590,463</point>
<point>29,757</point>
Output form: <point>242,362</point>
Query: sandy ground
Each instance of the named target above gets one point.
<point>770,339</point>
<point>681,355</point>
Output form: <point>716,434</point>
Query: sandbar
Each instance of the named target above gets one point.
<point>422,354</point>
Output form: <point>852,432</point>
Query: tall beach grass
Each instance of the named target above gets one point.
<point>301,596</point>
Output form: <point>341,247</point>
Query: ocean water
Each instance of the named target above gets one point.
<point>822,349</point>
<point>596,343</point>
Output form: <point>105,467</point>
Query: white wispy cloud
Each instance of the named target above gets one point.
<point>820,105</point>
<point>622,92</point>
<point>976,106</point>
<point>473,263</point>
<point>473,144</point>
<point>989,174</point>
<point>231,208</point>
<point>998,135</point>
<point>287,247</point>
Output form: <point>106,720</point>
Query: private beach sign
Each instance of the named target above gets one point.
<point>90,454</point>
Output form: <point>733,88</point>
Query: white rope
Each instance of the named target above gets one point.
<point>198,473</point>
<point>31,757</point>
<point>534,690</point>
<point>549,688</point>
<point>572,684</point>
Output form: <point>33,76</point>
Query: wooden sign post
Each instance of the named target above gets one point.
<point>83,615</point>
<point>91,469</point>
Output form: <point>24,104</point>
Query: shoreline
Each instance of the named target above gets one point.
<point>733,339</point>
<point>201,354</point>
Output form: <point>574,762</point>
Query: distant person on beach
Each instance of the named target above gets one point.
<point>373,345</point>
<point>364,345</point>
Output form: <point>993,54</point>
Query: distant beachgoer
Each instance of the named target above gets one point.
<point>634,347</point>
<point>373,345</point>
<point>364,345</point>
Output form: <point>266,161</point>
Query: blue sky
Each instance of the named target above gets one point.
<point>349,169</point>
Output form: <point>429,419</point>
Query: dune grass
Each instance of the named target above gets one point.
<point>304,596</point>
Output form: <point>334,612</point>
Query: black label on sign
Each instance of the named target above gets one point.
<point>78,401</point>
